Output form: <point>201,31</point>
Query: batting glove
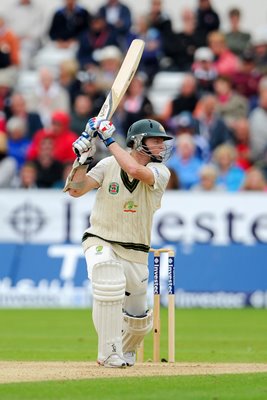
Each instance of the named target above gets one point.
<point>105,131</point>
<point>83,145</point>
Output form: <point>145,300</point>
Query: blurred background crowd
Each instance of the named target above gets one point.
<point>207,86</point>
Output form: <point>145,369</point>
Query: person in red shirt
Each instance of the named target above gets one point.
<point>61,135</point>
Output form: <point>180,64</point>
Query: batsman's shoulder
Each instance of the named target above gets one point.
<point>159,169</point>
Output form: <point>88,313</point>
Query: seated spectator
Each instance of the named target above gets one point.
<point>237,40</point>
<point>181,45</point>
<point>184,123</point>
<point>184,162</point>
<point>8,165</point>
<point>246,80</point>
<point>208,180</point>
<point>22,15</point>
<point>48,96</point>
<point>229,174</point>
<point>82,111</point>
<point>254,180</point>
<point>18,143</point>
<point>49,170</point>
<point>110,59</point>
<point>67,23</point>
<point>17,108</point>
<point>118,16</point>
<point>67,78</point>
<point>258,127</point>
<point>98,35</point>
<point>230,105</point>
<point>67,167</point>
<point>186,99</point>
<point>204,70</point>
<point>225,61</point>
<point>27,177</point>
<point>61,136</point>
<point>9,53</point>
<point>259,48</point>
<point>136,104</point>
<point>208,19</point>
<point>160,20</point>
<point>90,86</point>
<point>150,61</point>
<point>241,141</point>
<point>211,126</point>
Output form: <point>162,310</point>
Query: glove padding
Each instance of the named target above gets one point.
<point>84,148</point>
<point>104,128</point>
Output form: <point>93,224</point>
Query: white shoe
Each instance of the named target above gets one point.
<point>130,358</point>
<point>113,361</point>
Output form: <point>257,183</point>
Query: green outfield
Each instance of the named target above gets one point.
<point>213,336</point>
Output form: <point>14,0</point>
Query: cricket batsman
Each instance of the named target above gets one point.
<point>130,185</point>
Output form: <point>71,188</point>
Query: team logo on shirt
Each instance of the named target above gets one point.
<point>130,207</point>
<point>113,188</point>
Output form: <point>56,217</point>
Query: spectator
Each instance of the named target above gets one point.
<point>237,40</point>
<point>90,86</point>
<point>8,165</point>
<point>67,167</point>
<point>211,126</point>
<point>97,36</point>
<point>208,177</point>
<point>136,104</point>
<point>152,54</point>
<point>118,16</point>
<point>27,176</point>
<point>226,62</point>
<point>82,111</point>
<point>9,53</point>
<point>181,46</point>
<point>160,20</point>
<point>174,183</point>
<point>203,70</point>
<point>185,100</point>
<point>230,105</point>
<point>229,174</point>
<point>67,79</point>
<point>68,22</point>
<point>208,19</point>
<point>18,143</point>
<point>241,136</point>
<point>49,170</point>
<point>109,59</point>
<point>62,138</point>
<point>184,162</point>
<point>17,108</point>
<point>259,48</point>
<point>258,128</point>
<point>246,80</point>
<point>254,180</point>
<point>48,96</point>
<point>22,15</point>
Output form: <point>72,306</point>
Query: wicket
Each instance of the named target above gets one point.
<point>156,308</point>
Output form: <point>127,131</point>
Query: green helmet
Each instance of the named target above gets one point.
<point>145,128</point>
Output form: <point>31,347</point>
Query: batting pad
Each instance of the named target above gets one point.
<point>135,329</point>
<point>108,283</point>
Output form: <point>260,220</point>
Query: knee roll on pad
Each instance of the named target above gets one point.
<point>135,329</point>
<point>108,282</point>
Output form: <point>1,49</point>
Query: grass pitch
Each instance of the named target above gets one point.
<point>201,336</point>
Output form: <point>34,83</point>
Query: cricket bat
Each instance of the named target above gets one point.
<point>121,82</point>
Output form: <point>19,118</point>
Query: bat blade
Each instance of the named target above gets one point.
<point>123,78</point>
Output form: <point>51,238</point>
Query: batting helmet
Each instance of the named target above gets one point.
<point>145,128</point>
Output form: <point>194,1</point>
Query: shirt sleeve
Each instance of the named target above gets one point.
<point>98,171</point>
<point>161,176</point>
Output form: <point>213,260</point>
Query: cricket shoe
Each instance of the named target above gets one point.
<point>130,358</point>
<point>113,361</point>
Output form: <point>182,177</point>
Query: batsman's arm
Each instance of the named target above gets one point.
<point>78,183</point>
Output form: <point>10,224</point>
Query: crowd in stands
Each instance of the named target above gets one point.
<point>54,76</point>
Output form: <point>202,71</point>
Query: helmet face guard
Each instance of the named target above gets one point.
<point>148,128</point>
